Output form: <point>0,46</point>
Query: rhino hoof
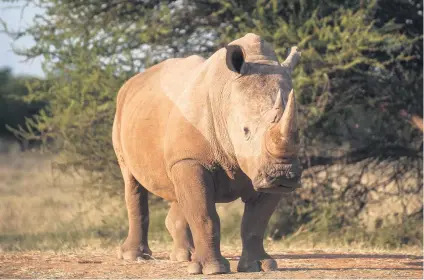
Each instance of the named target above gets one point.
<point>134,254</point>
<point>180,256</point>
<point>194,268</point>
<point>209,268</point>
<point>257,265</point>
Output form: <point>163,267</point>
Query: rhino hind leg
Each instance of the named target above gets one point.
<point>179,229</point>
<point>253,257</point>
<point>195,192</point>
<point>136,198</point>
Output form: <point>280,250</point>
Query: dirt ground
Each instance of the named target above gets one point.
<point>293,264</point>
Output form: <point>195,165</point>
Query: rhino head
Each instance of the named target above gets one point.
<point>262,116</point>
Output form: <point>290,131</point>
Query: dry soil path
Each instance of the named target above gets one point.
<point>302,264</point>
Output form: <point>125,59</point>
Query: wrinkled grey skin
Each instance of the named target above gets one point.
<point>197,132</point>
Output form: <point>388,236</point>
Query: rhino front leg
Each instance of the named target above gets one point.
<point>136,198</point>
<point>255,219</point>
<point>195,192</point>
<point>179,229</point>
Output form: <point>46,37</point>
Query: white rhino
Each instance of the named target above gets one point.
<point>197,132</point>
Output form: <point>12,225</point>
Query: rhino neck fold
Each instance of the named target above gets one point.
<point>217,79</point>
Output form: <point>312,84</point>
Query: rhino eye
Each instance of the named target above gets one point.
<point>246,132</point>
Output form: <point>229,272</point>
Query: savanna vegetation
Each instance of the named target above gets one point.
<point>358,82</point>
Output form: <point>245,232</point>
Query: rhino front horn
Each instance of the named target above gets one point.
<point>283,139</point>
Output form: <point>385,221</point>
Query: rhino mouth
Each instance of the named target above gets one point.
<point>278,186</point>
<point>284,178</point>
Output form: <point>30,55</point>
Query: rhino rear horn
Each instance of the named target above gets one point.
<point>292,59</point>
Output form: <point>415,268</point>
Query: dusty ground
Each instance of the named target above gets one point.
<point>300,264</point>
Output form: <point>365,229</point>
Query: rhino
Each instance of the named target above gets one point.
<point>197,132</point>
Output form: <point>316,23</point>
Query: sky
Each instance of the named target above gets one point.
<point>12,15</point>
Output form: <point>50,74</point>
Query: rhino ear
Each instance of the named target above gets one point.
<point>235,57</point>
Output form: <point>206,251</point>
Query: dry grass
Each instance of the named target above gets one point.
<point>40,209</point>
<point>43,210</point>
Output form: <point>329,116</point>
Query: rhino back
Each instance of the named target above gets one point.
<point>144,104</point>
